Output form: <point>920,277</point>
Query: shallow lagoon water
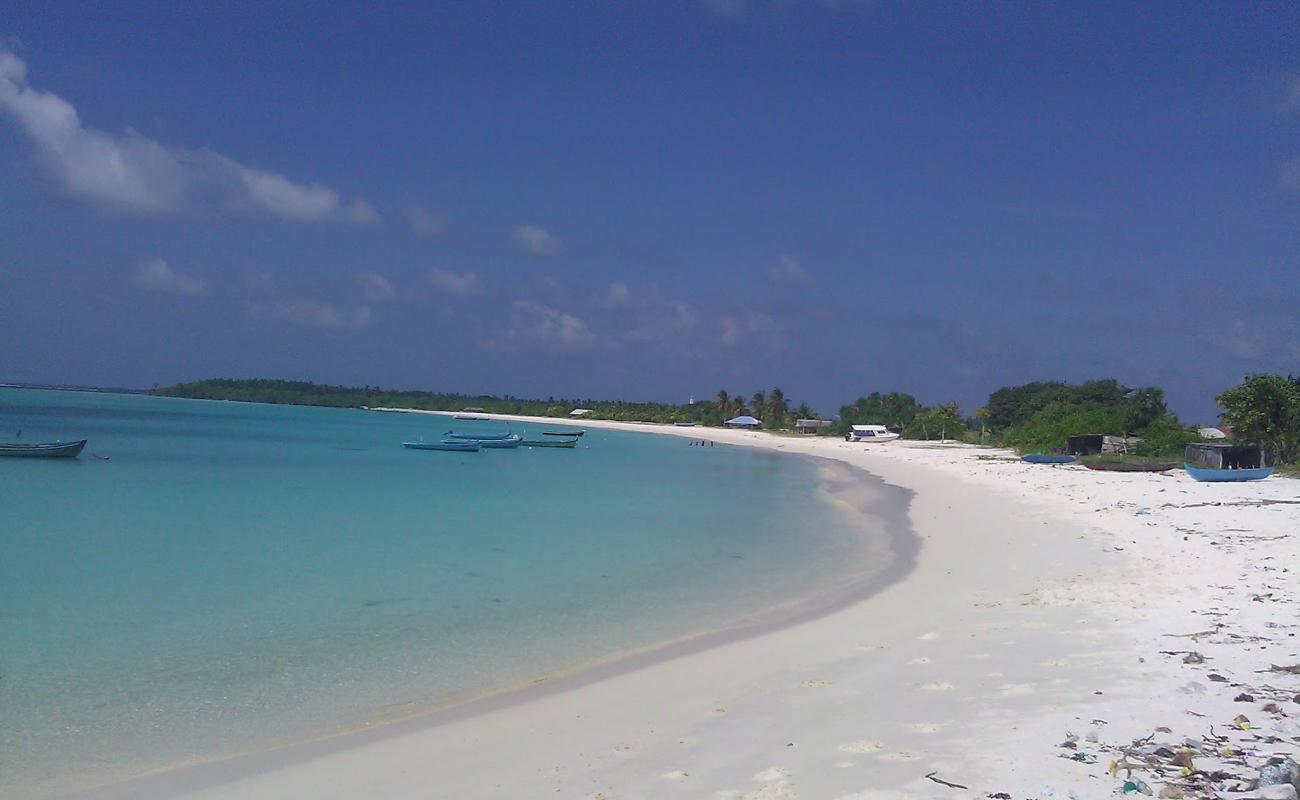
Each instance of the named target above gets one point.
<point>213,578</point>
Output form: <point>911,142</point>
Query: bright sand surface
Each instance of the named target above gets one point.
<point>1044,601</point>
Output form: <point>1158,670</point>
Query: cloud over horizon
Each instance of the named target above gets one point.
<point>134,175</point>
<point>787,270</point>
<point>156,275</point>
<point>537,240</point>
<point>460,283</point>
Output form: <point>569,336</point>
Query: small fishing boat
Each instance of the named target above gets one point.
<point>563,433</point>
<point>503,444</point>
<point>569,443</point>
<point>458,447</point>
<point>43,449</point>
<point>1044,458</point>
<point>1109,465</point>
<point>478,437</point>
<point>1224,463</point>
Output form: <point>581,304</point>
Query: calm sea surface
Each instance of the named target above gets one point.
<point>213,578</point>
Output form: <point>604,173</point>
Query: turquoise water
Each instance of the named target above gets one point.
<point>235,576</point>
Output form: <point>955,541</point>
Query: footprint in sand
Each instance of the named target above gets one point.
<point>1055,662</point>
<point>813,683</point>
<point>938,686</point>
<point>1017,689</point>
<point>623,748</point>
<point>772,774</point>
<point>902,755</point>
<point>982,656</point>
<point>929,637</point>
<point>920,660</point>
<point>861,746</point>
<point>871,648</point>
<point>675,775</point>
<point>844,764</point>
<point>924,727</point>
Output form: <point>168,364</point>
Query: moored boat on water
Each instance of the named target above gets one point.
<point>567,443</point>
<point>43,449</point>
<point>1226,463</point>
<point>478,437</point>
<point>563,433</point>
<point>454,446</point>
<point>509,442</point>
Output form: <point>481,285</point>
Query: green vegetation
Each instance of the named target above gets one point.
<point>1041,416</point>
<point>1266,409</point>
<point>771,407</point>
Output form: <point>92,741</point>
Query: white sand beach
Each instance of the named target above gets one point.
<point>1048,606</point>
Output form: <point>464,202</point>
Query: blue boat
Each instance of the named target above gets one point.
<point>43,449</point>
<point>509,442</point>
<point>459,447</point>
<point>478,437</point>
<point>1226,463</point>
<point>1042,458</point>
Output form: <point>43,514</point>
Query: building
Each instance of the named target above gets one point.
<point>743,422</point>
<point>811,425</point>
<point>580,412</point>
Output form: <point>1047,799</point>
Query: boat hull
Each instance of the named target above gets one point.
<point>501,444</point>
<point>1039,458</point>
<point>479,437</point>
<point>569,444</point>
<point>43,450</point>
<point>1227,475</point>
<point>1121,466</point>
<point>454,447</point>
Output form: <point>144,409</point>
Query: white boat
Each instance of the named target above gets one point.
<point>870,433</point>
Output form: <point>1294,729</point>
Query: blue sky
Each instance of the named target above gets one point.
<point>649,200</point>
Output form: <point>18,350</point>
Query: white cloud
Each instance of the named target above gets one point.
<point>155,275</point>
<point>537,241</point>
<point>536,326</point>
<point>376,288</point>
<point>311,314</point>
<point>1290,178</point>
<point>424,222</point>
<point>675,318</point>
<point>461,283</point>
<point>616,296</point>
<point>787,270</point>
<point>131,174</point>
<point>751,327</point>
<point>1238,341</point>
<point>1289,103</point>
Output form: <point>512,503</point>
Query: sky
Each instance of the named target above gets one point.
<point>652,200</point>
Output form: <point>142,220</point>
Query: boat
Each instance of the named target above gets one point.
<point>1223,463</point>
<point>470,417</point>
<point>510,442</point>
<point>569,443</point>
<point>459,447</point>
<point>1118,465</point>
<point>477,437</point>
<point>870,433</point>
<point>563,433</point>
<point>43,449</point>
<point>1044,458</point>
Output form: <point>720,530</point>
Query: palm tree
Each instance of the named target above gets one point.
<point>777,408</point>
<point>724,403</point>
<point>758,405</point>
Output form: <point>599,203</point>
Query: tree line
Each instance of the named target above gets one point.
<point>1037,416</point>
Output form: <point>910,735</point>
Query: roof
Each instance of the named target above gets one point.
<point>745,420</point>
<point>580,412</point>
<point>1212,433</point>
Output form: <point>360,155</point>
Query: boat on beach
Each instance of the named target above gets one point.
<point>454,446</point>
<point>1108,465</point>
<point>43,449</point>
<point>1226,463</point>
<point>1045,458</point>
<point>870,433</point>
